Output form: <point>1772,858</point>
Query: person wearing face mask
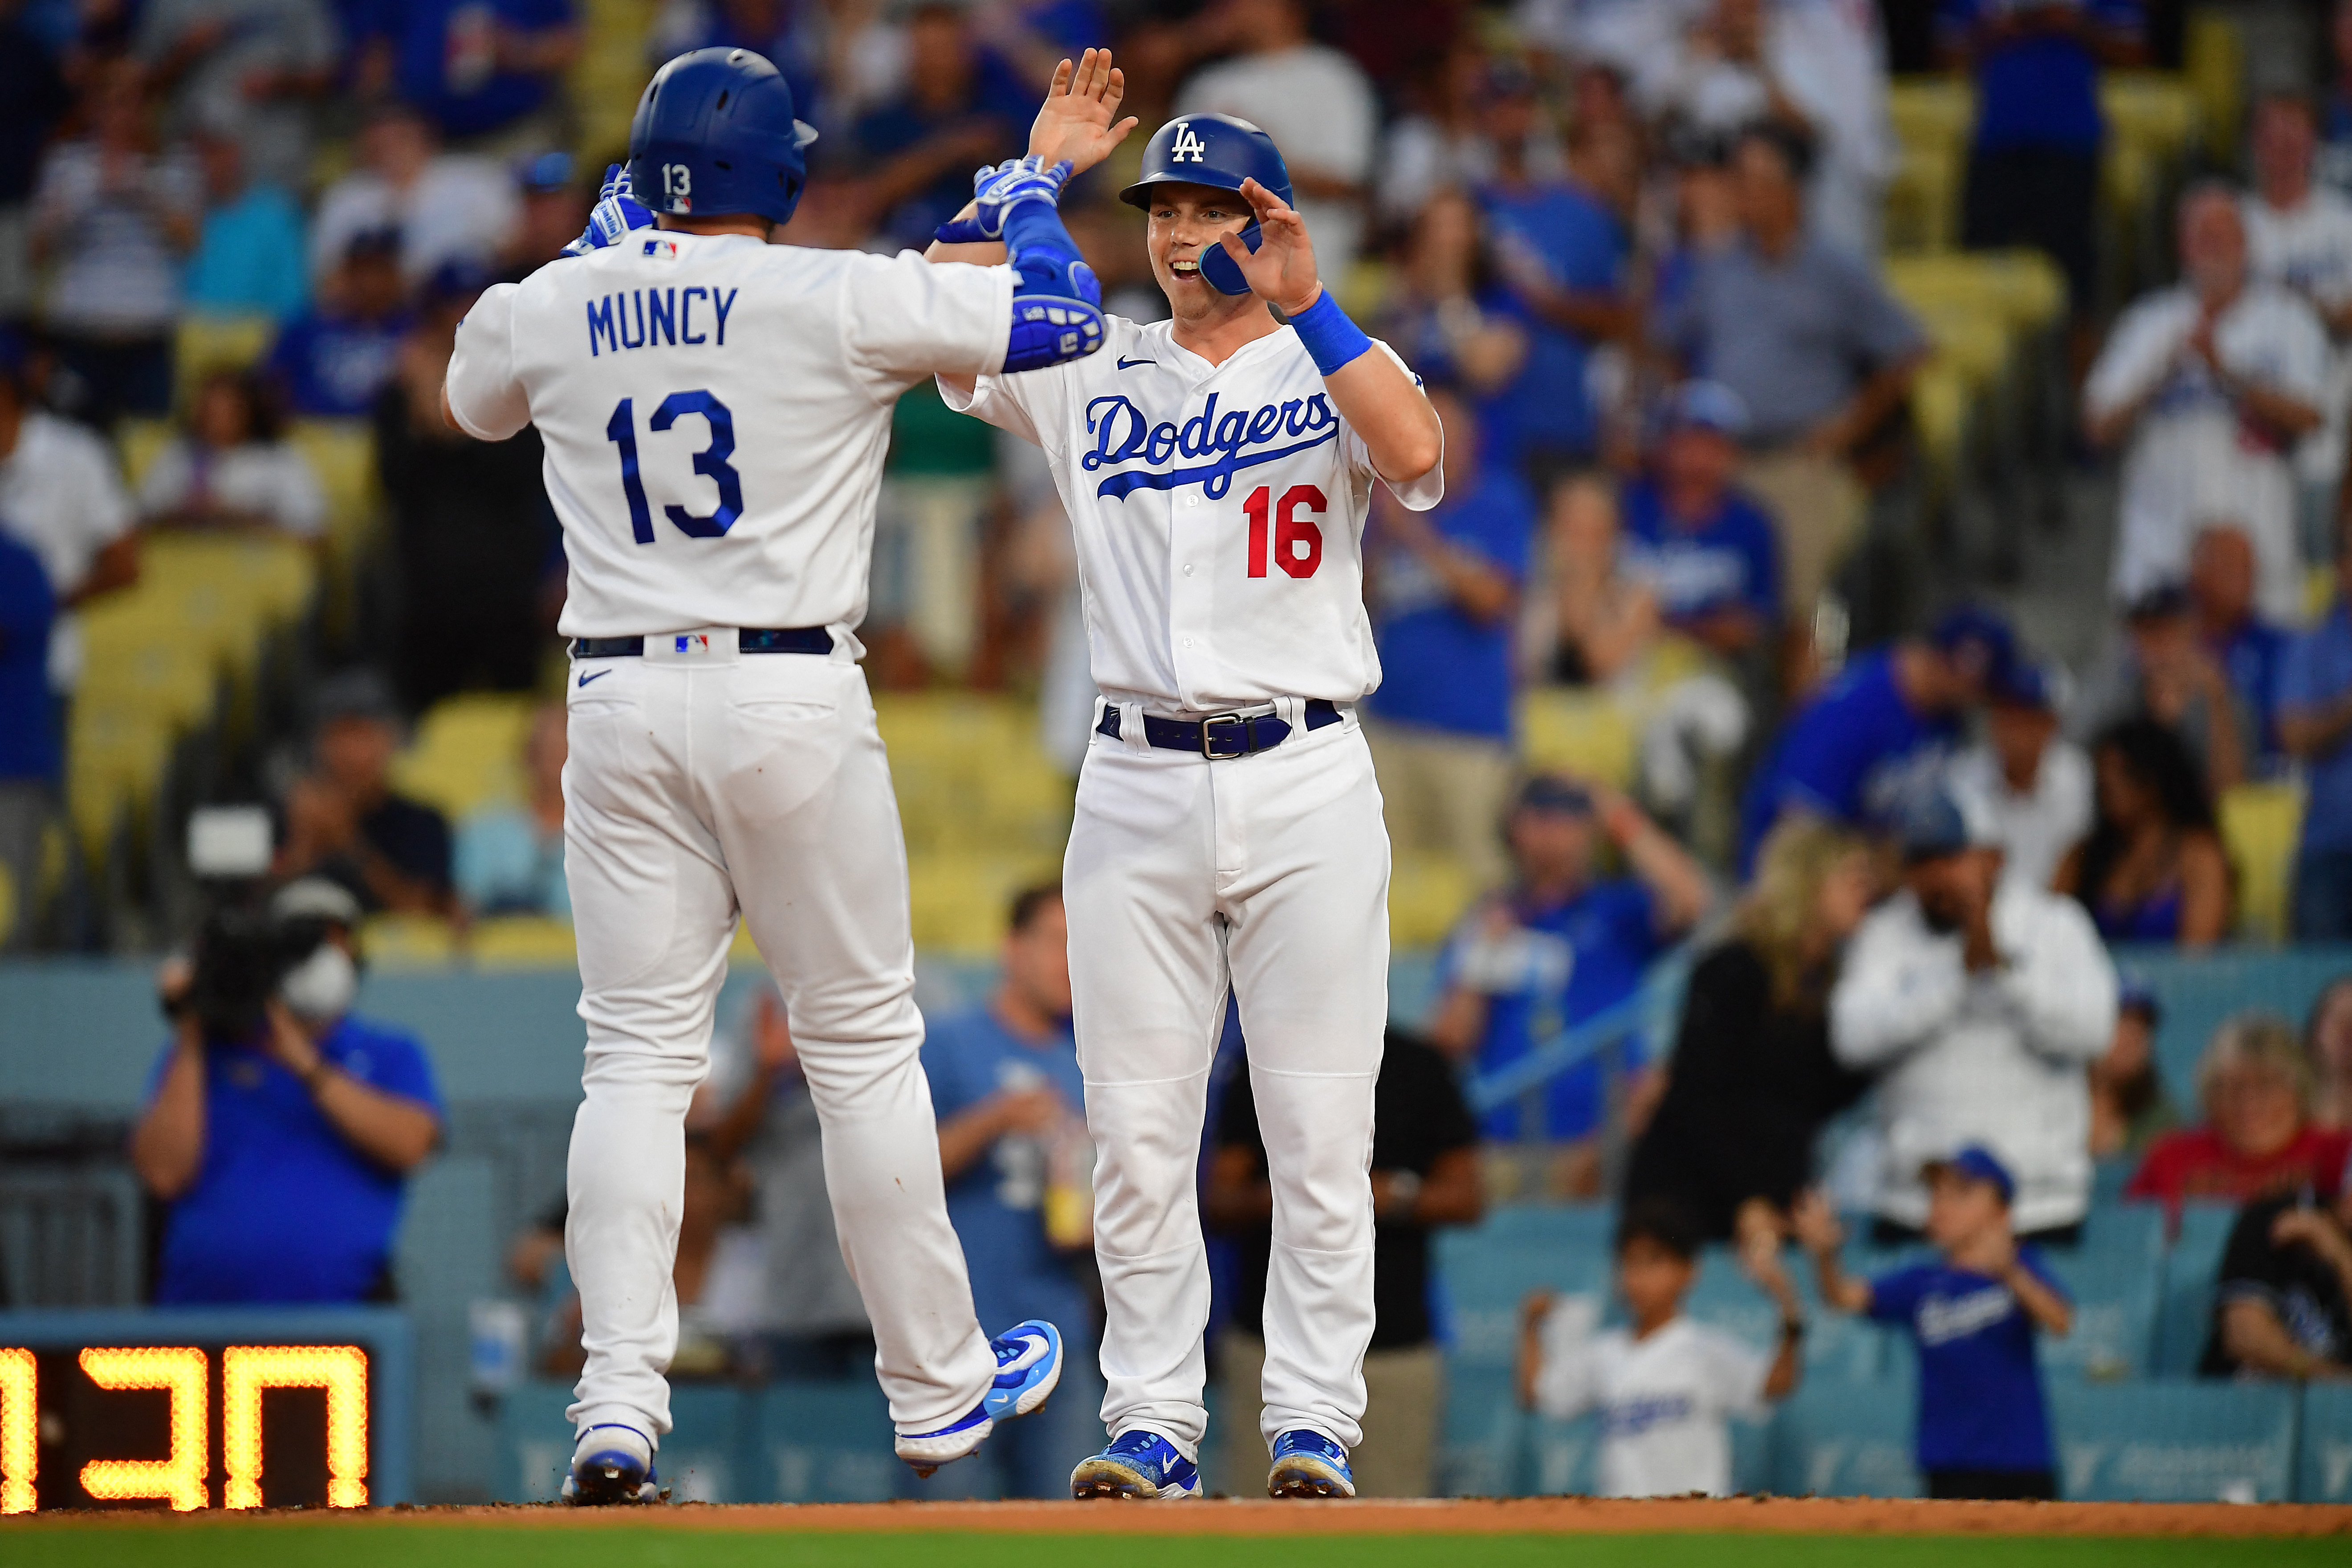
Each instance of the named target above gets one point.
<point>282,1146</point>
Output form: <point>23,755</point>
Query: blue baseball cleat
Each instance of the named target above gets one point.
<point>1137,1465</point>
<point>1308,1464</point>
<point>612,1464</point>
<point>1028,1365</point>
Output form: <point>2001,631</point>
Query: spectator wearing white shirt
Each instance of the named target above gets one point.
<point>2028,783</point>
<point>1313,100</point>
<point>253,69</point>
<point>61,497</point>
<point>447,205</point>
<point>231,471</point>
<point>2212,383</point>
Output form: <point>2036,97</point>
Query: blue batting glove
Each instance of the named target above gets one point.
<point>617,211</point>
<point>998,189</point>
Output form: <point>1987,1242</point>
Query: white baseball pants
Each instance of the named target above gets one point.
<point>698,785</point>
<point>1267,874</point>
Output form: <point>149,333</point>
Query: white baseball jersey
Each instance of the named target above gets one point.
<point>1663,1400</point>
<point>1219,514</point>
<point>716,411</point>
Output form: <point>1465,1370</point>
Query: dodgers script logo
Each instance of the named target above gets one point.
<point>1123,433</point>
<point>1187,148</point>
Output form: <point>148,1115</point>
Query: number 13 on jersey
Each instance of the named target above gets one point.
<point>1297,541</point>
<point>710,463</point>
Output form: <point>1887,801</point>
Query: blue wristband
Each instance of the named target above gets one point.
<point>1331,339</point>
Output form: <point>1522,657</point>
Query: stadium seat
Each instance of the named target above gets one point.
<point>1482,1443</point>
<point>2134,1231</point>
<point>823,1442</point>
<point>1427,894</point>
<point>1837,1344</point>
<point>1563,1457</point>
<point>1582,731</point>
<point>522,941</point>
<point>2115,1294</point>
<point>2213,64</point>
<point>140,442</point>
<point>466,753</point>
<point>2173,1442</point>
<point>1487,1272</point>
<point>208,343</point>
<point>2261,826</point>
<point>2324,1471</point>
<point>1838,1437</point>
<point>2184,1316</point>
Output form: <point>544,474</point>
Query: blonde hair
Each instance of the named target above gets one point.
<point>2262,1040</point>
<point>1796,858</point>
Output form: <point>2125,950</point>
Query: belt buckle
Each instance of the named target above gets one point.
<point>1208,737</point>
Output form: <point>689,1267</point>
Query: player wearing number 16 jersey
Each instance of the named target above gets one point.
<point>1216,470</point>
<point>715,410</point>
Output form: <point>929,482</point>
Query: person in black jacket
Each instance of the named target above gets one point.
<point>1752,1079</point>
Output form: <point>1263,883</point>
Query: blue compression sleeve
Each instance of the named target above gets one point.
<point>1057,301</point>
<point>1331,339</point>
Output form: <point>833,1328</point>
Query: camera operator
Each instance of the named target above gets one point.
<point>281,1127</point>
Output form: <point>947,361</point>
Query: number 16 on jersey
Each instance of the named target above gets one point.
<point>1297,541</point>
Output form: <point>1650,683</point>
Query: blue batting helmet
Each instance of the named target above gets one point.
<point>1220,150</point>
<point>715,134</point>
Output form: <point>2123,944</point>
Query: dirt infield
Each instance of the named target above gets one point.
<point>1520,1515</point>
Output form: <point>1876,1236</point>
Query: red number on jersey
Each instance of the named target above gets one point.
<point>1297,544</point>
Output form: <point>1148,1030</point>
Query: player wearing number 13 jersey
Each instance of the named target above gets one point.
<point>1216,470</point>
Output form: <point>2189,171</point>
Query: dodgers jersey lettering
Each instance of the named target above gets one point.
<point>715,412</point>
<point>1219,514</point>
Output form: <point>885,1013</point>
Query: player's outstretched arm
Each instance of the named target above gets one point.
<point>1078,124</point>
<point>1375,393</point>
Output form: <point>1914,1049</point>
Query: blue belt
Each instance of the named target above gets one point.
<point>1221,736</point>
<point>787,639</point>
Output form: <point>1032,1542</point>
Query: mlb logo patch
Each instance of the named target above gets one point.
<point>663,250</point>
<point>693,642</point>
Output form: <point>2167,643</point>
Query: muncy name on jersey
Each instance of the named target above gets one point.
<point>1124,434</point>
<point>650,317</point>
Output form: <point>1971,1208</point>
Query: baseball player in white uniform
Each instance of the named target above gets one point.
<point>715,409</point>
<point>1216,469</point>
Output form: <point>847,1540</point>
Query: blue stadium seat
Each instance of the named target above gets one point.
<point>1836,1344</point>
<point>2325,1474</point>
<point>699,1460</point>
<point>2173,1442</point>
<point>823,1442</point>
<point>1482,1447</point>
<point>2132,1230</point>
<point>2184,1316</point>
<point>1563,1457</point>
<point>2115,1291</point>
<point>1841,1437</point>
<point>1484,1274</point>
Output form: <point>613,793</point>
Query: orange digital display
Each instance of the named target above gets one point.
<point>20,1430</point>
<point>179,1478</point>
<point>340,1370</point>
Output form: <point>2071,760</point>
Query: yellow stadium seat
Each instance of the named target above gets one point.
<point>959,901</point>
<point>342,453</point>
<point>522,941</point>
<point>1576,730</point>
<point>207,344</point>
<point>114,757</point>
<point>1427,895</point>
<point>2318,593</point>
<point>467,753</point>
<point>1932,110</point>
<point>2261,826</point>
<point>2155,109</point>
<point>2213,60</point>
<point>1941,398</point>
<point>141,442</point>
<point>408,941</point>
<point>1923,199</point>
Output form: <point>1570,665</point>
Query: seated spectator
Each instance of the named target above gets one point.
<point>2246,649</point>
<point>2283,1305</point>
<point>2299,238</point>
<point>1855,751</point>
<point>1665,1387</point>
<point>1605,620</point>
<point>31,761</point>
<point>2028,783</point>
<point>249,259</point>
<point>1557,946</point>
<point>1706,551</point>
<point>1444,590</point>
<point>112,217</point>
<point>2255,1087</point>
<point>279,1125</point>
<point>1976,1000</point>
<point>1448,316</point>
<point>483,73</point>
<point>509,858</point>
<point>2211,383</point>
<point>253,69</point>
<point>958,107</point>
<point>2152,869</point>
<point>2129,1107</point>
<point>1974,1314</point>
<point>446,206</point>
<point>1019,1167</point>
<point>1752,1080</point>
<point>336,358</point>
<point>234,470</point>
<point>554,211</point>
<point>343,820</point>
<point>1424,1176</point>
<point>2314,722</point>
<point>2163,672</point>
<point>2327,1041</point>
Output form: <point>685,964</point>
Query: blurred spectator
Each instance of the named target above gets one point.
<point>2128,1105</point>
<point>1558,946</point>
<point>1448,315</point>
<point>233,469</point>
<point>1424,1176</point>
<point>1020,1169</point>
<point>111,218</point>
<point>1816,348</point>
<point>554,211</point>
<point>1977,1000</point>
<point>345,823</point>
<point>2253,1085</point>
<point>2163,671</point>
<point>446,206</point>
<point>958,109</point>
<point>1312,99</point>
<point>2283,1305</point>
<point>487,72</point>
<point>2299,238</point>
<point>1752,1080</point>
<point>249,259</point>
<point>2327,1039</point>
<point>1444,588</point>
<point>509,858</point>
<point>802,39</point>
<point>1605,620</point>
<point>1439,144</point>
<point>471,530</point>
<point>251,69</point>
<point>1706,551</point>
<point>2030,784</point>
<point>336,358</point>
<point>2336,102</point>
<point>2212,380</point>
<point>1863,743</point>
<point>1664,1386</point>
<point>2315,723</point>
<point>2247,649</point>
<point>33,97</point>
<point>2152,869</point>
<point>2034,164</point>
<point>1973,1313</point>
<point>31,761</point>
<point>280,1126</point>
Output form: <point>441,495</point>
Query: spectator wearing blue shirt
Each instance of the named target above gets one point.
<point>1851,753</point>
<point>2247,649</point>
<point>958,109</point>
<point>335,360</point>
<point>1558,946</point>
<point>1446,596</point>
<point>250,255</point>
<point>1706,552</point>
<point>1984,1431</point>
<point>30,760</point>
<point>509,859</point>
<point>2315,725</point>
<point>279,1127</point>
<point>485,72</point>
<point>1011,1104</point>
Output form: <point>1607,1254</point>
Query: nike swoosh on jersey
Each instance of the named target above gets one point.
<point>593,675</point>
<point>1132,364</point>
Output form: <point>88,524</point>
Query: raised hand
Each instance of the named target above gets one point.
<point>616,212</point>
<point>1078,124</point>
<point>997,191</point>
<point>1282,269</point>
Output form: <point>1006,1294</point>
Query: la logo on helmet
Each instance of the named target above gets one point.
<point>1187,146</point>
